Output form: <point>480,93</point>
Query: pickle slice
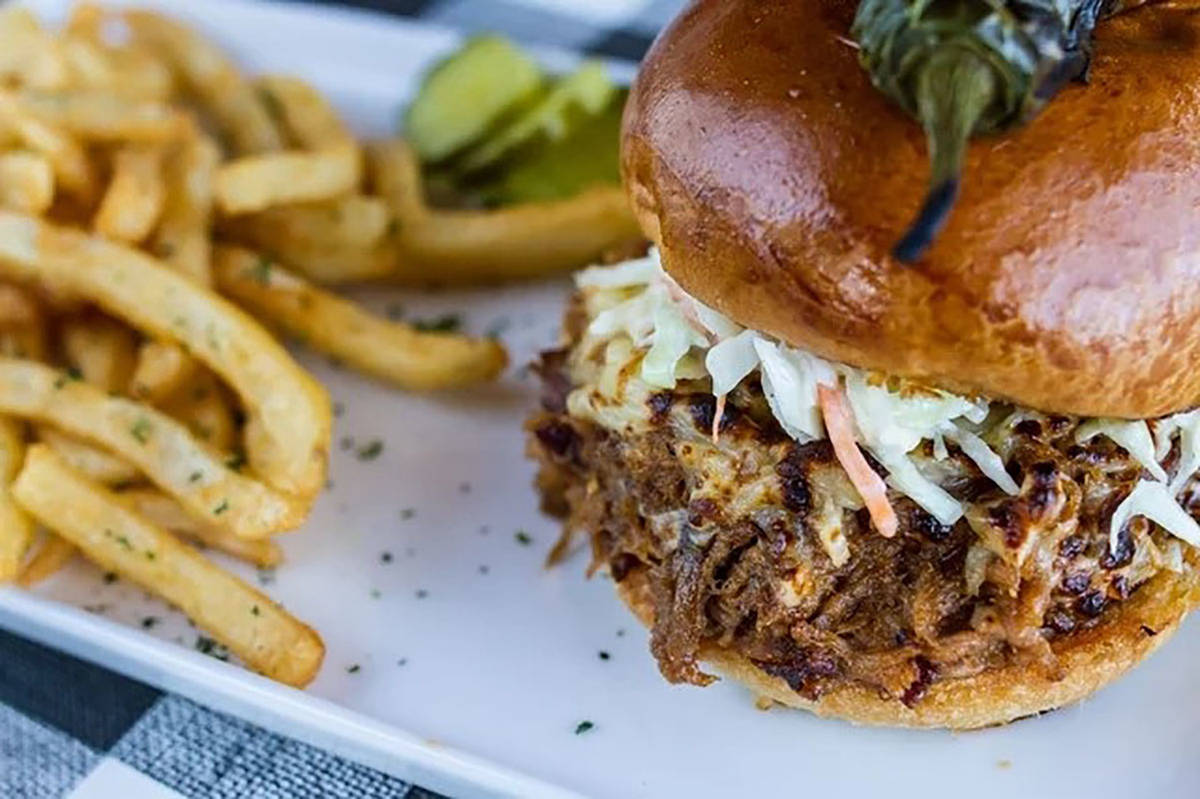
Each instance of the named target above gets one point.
<point>468,94</point>
<point>582,94</point>
<point>553,170</point>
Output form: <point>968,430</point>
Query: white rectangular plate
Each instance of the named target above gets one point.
<point>475,664</point>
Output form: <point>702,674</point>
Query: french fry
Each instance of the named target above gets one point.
<point>288,413</point>
<point>161,448</point>
<point>86,22</point>
<point>128,72</point>
<point>104,117</point>
<point>183,236</point>
<point>347,223</point>
<point>18,307</point>
<point>523,241</point>
<point>26,182</point>
<point>311,123</point>
<point>159,509</point>
<point>23,342</point>
<point>54,553</point>
<point>108,532</point>
<point>257,182</point>
<point>207,412</point>
<point>162,370</point>
<point>73,169</point>
<point>22,323</point>
<point>387,350</point>
<point>103,350</point>
<point>29,56</point>
<point>224,93</point>
<point>134,200</point>
<point>94,463</point>
<point>339,241</point>
<point>331,265</point>
<point>16,528</point>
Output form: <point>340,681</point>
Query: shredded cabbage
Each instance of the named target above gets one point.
<point>639,272</point>
<point>731,361</point>
<point>790,379</point>
<point>978,451</point>
<point>1133,436</point>
<point>1188,427</point>
<point>682,338</point>
<point>904,476</point>
<point>672,338</point>
<point>715,322</point>
<point>633,317</point>
<point>1155,502</point>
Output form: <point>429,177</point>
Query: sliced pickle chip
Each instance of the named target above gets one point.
<point>467,95</point>
<point>579,96</point>
<point>553,170</point>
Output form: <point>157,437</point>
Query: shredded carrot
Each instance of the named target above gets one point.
<point>870,485</point>
<point>717,415</point>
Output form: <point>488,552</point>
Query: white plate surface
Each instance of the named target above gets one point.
<point>474,664</point>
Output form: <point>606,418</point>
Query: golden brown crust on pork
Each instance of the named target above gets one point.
<point>1090,660</point>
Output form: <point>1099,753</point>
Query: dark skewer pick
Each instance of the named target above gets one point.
<point>967,67</point>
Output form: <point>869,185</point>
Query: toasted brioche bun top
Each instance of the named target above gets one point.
<point>776,179</point>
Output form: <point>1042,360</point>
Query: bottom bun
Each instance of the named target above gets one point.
<point>1090,660</point>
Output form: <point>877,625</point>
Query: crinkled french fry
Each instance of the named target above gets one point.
<point>391,351</point>
<point>116,538</point>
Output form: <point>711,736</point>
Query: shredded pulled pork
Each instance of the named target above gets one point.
<point>761,544</point>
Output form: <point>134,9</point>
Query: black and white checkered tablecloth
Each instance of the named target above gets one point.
<point>68,728</point>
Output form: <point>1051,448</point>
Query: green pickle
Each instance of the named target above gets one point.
<point>468,95</point>
<point>491,129</point>
<point>585,93</point>
<point>552,170</point>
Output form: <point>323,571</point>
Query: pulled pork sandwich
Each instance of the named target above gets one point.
<point>953,493</point>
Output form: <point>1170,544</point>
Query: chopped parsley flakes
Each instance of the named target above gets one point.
<point>208,646</point>
<point>371,451</point>
<point>584,726</point>
<point>141,430</point>
<point>261,272</point>
<point>446,323</point>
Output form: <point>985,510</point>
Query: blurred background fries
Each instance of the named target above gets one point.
<point>161,212</point>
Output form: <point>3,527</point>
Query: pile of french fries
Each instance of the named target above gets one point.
<point>157,208</point>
